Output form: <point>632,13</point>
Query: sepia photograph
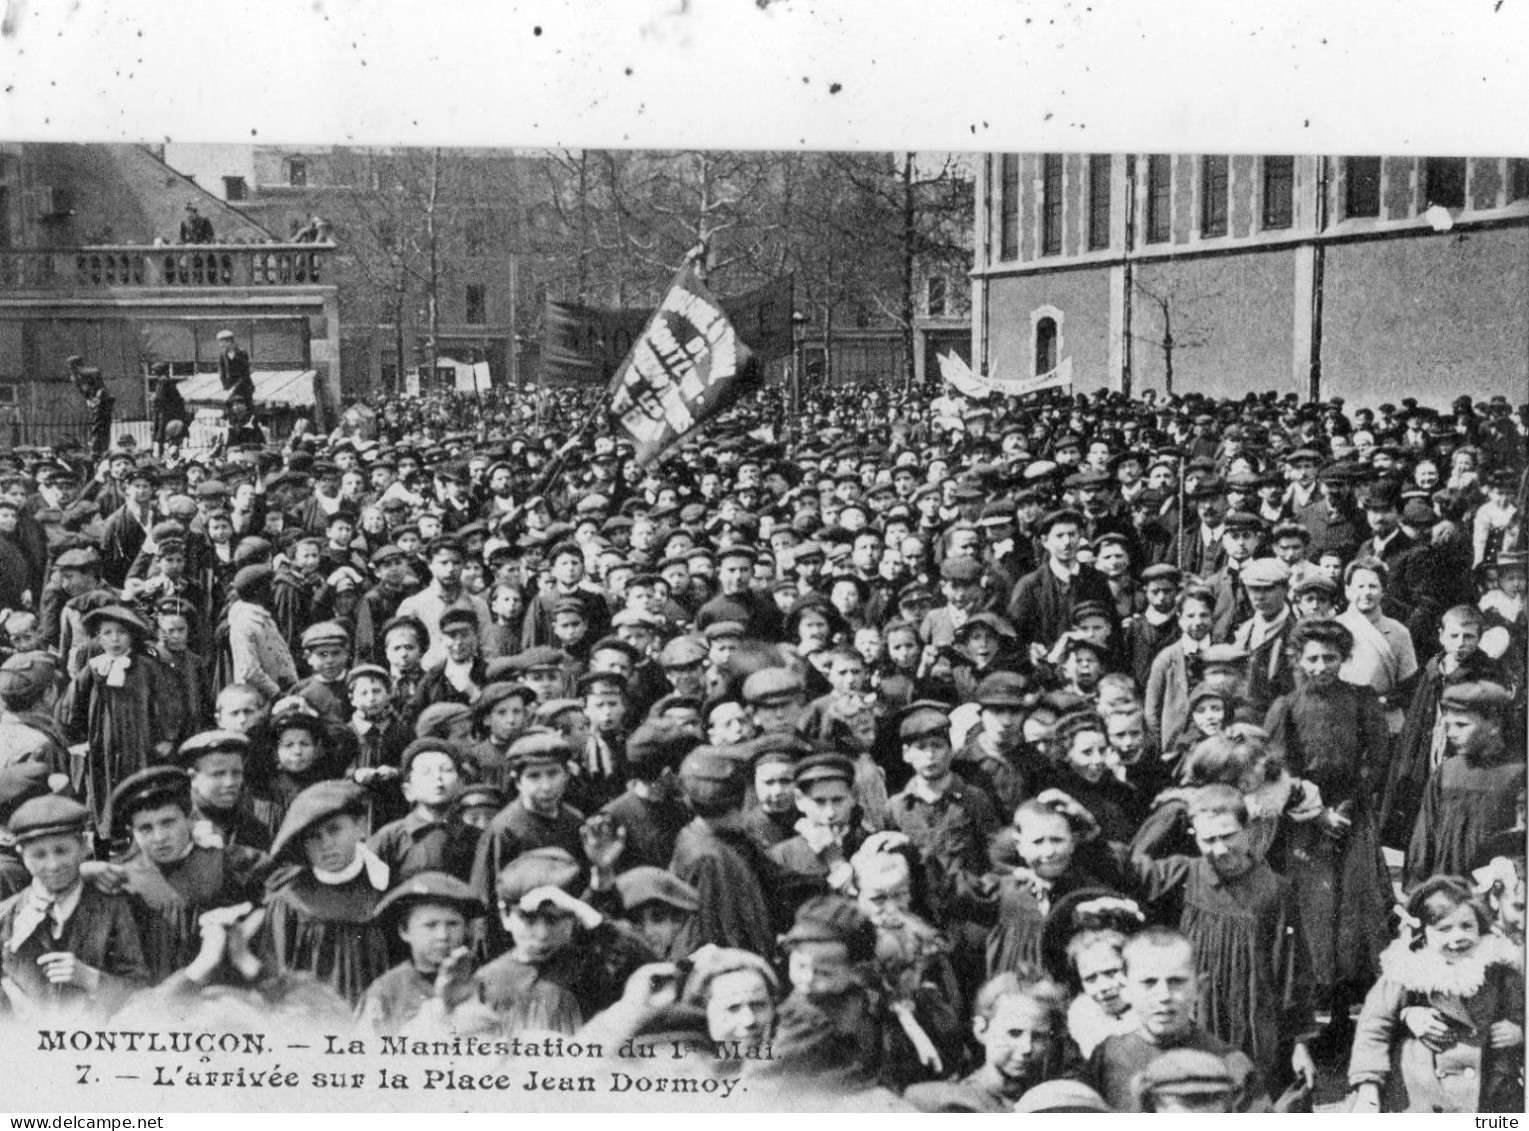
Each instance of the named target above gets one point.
<point>610,617</point>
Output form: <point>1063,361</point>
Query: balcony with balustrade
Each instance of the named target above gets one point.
<point>176,269</point>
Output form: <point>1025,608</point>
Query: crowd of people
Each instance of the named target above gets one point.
<point>1080,753</point>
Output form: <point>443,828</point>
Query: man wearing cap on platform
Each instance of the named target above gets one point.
<point>64,945</point>
<point>1265,635</point>
<point>735,882</point>
<point>234,369</point>
<point>176,868</point>
<point>1040,608</point>
<point>430,912</point>
<point>537,818</point>
<point>1472,794</point>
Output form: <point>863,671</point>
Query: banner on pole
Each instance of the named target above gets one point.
<point>687,365</point>
<point>584,345</point>
<point>959,375</point>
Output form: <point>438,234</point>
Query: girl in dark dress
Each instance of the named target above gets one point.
<point>122,702</point>
<point>1334,735</point>
<point>319,908</point>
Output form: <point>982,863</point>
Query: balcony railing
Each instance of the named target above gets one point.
<point>177,267</point>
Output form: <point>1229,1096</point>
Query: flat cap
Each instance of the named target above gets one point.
<point>1186,1072</point>
<point>1315,582</point>
<point>149,788</point>
<point>683,652</point>
<point>1224,654</point>
<point>212,742</point>
<point>539,657</point>
<point>1162,572</point>
<point>538,747</point>
<point>1242,522</point>
<point>317,803</point>
<point>465,618</point>
<point>27,672</point>
<point>84,557</point>
<point>661,742</point>
<point>647,884</point>
<point>325,632</point>
<point>1002,689</point>
<point>961,571</point>
<point>431,744</point>
<point>20,783</point>
<point>823,767</point>
<point>1477,698</point>
<point>540,867</point>
<point>921,719</point>
<point>990,621</point>
<point>1264,573</point>
<point>47,816</point>
<point>724,630</point>
<point>772,686</point>
<point>429,887</point>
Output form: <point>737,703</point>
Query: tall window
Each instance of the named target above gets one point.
<point>1362,196</point>
<point>297,172</point>
<point>477,304</point>
<point>936,295</point>
<point>1045,346</point>
<point>1279,192</point>
<point>1099,168</point>
<point>1051,204</point>
<point>1518,179</point>
<point>1008,207</point>
<point>1213,190</point>
<point>1444,181</point>
<point>234,188</point>
<point>1159,198</point>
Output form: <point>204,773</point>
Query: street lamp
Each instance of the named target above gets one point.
<point>798,336</point>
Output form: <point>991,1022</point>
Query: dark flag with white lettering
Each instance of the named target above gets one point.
<point>688,365</point>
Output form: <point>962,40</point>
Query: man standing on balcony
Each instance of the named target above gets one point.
<point>98,400</point>
<point>196,228</point>
<point>234,369</point>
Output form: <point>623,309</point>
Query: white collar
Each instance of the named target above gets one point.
<point>365,858</point>
<point>1155,618</point>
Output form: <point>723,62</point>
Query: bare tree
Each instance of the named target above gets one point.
<point>1181,322</point>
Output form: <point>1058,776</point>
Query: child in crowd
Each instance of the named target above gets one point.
<point>1442,1029</point>
<point>431,837</point>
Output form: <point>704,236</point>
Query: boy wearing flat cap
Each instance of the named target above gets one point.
<point>736,881</point>
<point>537,818</point>
<point>326,887</point>
<point>63,943</point>
<point>430,912</point>
<point>565,961</point>
<point>464,674</point>
<point>28,731</point>
<point>176,868</point>
<point>815,861</point>
<point>432,837</point>
<point>650,812</point>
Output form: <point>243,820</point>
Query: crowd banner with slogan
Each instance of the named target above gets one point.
<point>762,317</point>
<point>959,375</point>
<point>584,345</point>
<point>688,364</point>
